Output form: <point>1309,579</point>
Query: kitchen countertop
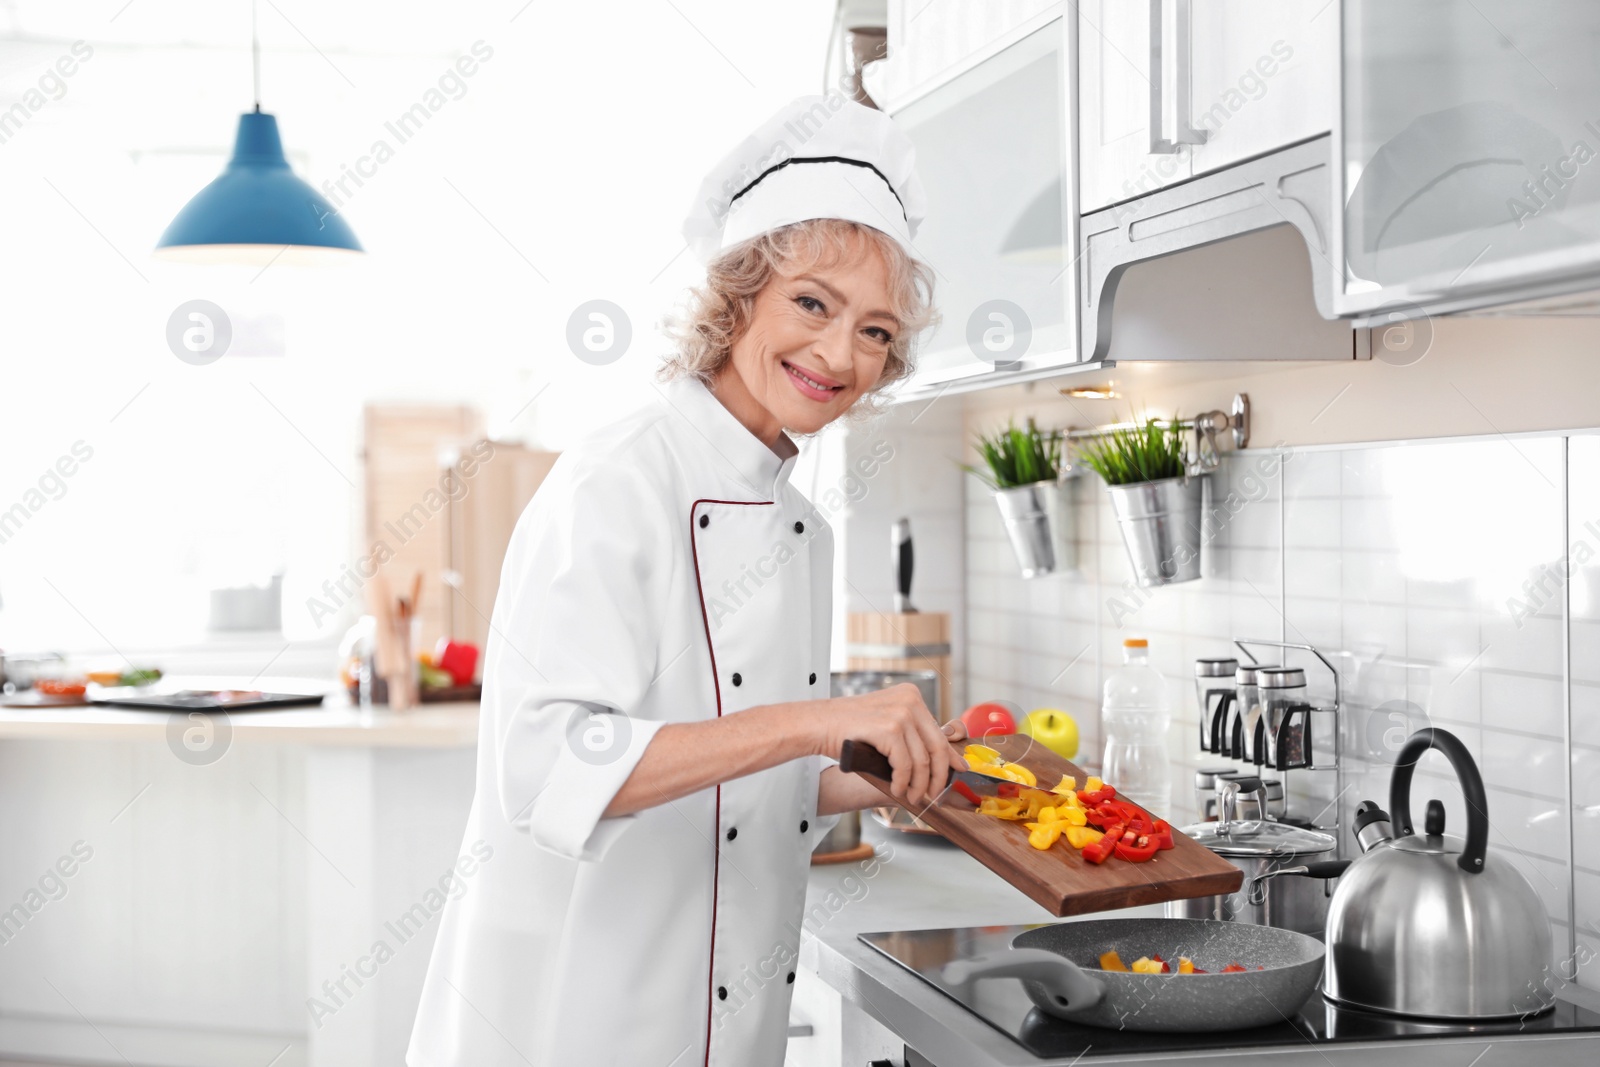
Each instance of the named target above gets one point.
<point>336,722</point>
<point>919,884</point>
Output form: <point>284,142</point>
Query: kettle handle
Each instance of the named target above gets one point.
<point>1466,770</point>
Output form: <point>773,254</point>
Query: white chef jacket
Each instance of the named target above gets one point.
<point>666,571</point>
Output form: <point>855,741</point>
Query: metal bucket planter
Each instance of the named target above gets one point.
<point>1038,519</point>
<point>1161,524</point>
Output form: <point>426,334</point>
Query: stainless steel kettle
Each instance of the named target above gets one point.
<point>1432,925</point>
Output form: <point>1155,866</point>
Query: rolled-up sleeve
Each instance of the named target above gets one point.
<point>577,633</point>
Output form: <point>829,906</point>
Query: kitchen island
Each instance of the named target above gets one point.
<point>231,879</point>
<point>865,1007</point>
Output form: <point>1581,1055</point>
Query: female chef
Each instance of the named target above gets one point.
<point>656,740</point>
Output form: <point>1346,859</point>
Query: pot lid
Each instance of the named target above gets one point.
<point>1257,838</point>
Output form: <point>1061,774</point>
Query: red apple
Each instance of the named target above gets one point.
<point>984,720</point>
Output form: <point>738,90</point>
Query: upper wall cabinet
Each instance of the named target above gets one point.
<point>994,155</point>
<point>1467,145</point>
<point>932,41</point>
<point>1169,89</point>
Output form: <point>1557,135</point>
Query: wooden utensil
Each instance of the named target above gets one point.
<point>1058,879</point>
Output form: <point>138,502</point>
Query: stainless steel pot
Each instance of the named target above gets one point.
<point>1432,925</point>
<point>1288,871</point>
<point>846,833</point>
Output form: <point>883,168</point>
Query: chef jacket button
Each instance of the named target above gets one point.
<point>790,979</point>
<point>733,832</point>
<point>705,520</point>
<point>813,678</point>
<point>722,992</point>
<point>805,824</point>
<point>738,679</point>
<point>799,527</point>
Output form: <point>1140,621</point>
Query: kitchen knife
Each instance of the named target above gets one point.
<point>900,549</point>
<point>862,758</point>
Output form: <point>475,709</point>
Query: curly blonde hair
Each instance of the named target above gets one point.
<point>719,312</point>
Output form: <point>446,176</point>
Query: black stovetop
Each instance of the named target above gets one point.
<point>1004,1005</point>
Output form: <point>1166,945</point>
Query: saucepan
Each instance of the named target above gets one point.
<point>1060,968</point>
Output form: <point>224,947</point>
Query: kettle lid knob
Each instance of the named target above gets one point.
<point>1433,822</point>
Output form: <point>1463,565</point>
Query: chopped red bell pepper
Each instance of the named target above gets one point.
<point>1100,851</point>
<point>1135,847</point>
<point>1008,789</point>
<point>1163,834</point>
<point>1234,968</point>
<point>1099,796</point>
<point>967,791</point>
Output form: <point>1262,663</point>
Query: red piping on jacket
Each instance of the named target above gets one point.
<point>716,685</point>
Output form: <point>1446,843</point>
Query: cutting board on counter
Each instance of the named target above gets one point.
<point>1059,879</point>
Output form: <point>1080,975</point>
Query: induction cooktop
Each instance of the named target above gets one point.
<point>1004,1005</point>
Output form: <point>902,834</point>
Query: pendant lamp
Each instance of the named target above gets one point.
<point>257,211</point>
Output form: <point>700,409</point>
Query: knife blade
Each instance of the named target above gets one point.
<point>862,758</point>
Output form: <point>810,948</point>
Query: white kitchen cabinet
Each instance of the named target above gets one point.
<point>932,41</point>
<point>1115,157</point>
<point>1262,75</point>
<point>994,153</point>
<point>1466,144</point>
<point>1171,89</point>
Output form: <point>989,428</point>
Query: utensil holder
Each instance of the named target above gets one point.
<point>1161,527</point>
<point>400,670</point>
<point>1038,520</point>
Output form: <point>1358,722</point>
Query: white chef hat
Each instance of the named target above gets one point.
<point>818,157</point>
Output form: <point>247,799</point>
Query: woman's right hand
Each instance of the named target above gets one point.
<point>896,722</point>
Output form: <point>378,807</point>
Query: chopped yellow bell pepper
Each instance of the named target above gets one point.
<point>1093,785</point>
<point>1067,785</point>
<point>1110,961</point>
<point>1045,835</point>
<point>1019,774</point>
<point>1048,814</point>
<point>1072,816</point>
<point>983,754</point>
<point>1146,965</point>
<point>1079,836</point>
<point>1002,808</point>
<point>1185,965</point>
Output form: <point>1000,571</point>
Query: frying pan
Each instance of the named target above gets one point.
<point>1060,968</point>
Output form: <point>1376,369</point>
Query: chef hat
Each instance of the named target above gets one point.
<point>818,157</point>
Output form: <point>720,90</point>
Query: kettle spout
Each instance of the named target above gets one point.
<point>1372,825</point>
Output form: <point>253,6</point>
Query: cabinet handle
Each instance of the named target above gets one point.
<point>1182,133</point>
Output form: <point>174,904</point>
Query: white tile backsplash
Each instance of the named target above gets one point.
<point>1378,556</point>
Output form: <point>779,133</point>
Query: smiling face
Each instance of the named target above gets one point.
<point>817,341</point>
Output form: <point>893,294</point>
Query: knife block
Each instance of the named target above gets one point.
<point>912,641</point>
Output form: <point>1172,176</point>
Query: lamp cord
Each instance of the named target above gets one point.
<point>255,53</point>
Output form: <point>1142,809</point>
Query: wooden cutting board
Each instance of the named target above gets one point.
<point>1059,879</point>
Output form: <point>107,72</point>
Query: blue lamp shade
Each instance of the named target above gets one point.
<point>257,211</point>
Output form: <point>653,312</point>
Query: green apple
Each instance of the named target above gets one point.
<point>1052,728</point>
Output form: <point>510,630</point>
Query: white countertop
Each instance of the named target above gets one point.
<point>335,722</point>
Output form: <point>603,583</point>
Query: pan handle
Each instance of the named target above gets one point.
<point>1071,989</point>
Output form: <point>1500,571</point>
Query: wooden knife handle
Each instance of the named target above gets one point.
<point>862,758</point>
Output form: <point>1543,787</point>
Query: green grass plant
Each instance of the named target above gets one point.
<point>1018,456</point>
<point>1146,452</point>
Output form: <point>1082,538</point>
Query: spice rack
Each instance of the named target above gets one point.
<point>1336,828</point>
